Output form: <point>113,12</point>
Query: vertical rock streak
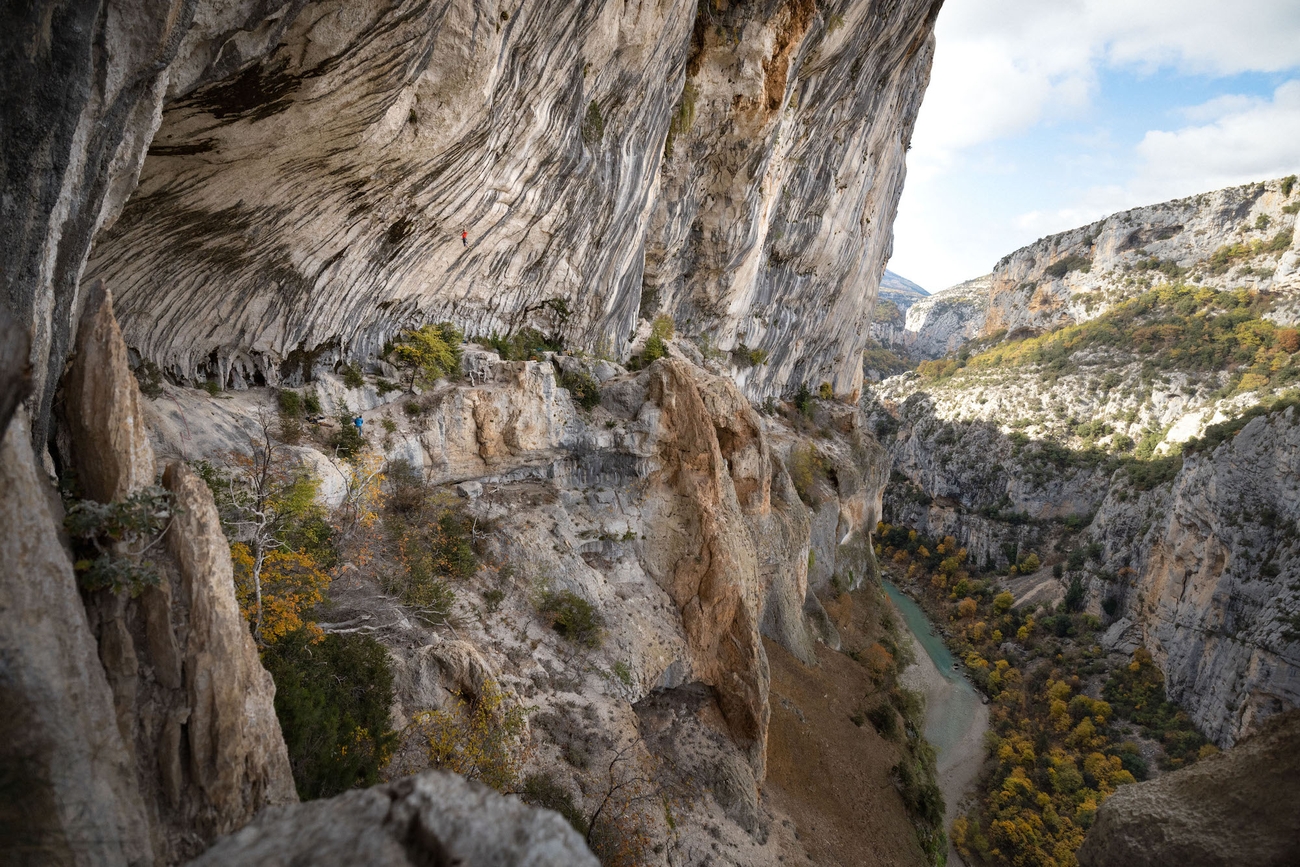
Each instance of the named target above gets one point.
<point>315,200</point>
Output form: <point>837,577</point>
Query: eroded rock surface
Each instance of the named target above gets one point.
<point>73,796</point>
<point>1214,582</point>
<point>191,701</point>
<point>737,166</point>
<point>106,421</point>
<point>434,818</point>
<point>668,507</point>
<point>1232,809</point>
<point>1076,275</point>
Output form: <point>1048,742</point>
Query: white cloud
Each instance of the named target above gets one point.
<point>1247,140</point>
<point>978,187</point>
<point>1004,65</point>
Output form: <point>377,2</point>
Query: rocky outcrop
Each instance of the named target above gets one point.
<point>103,408</point>
<point>1235,808</point>
<point>667,507</point>
<point>85,84</point>
<point>1211,576</point>
<point>434,818</point>
<point>237,761</point>
<point>191,700</point>
<point>72,796</point>
<point>782,170</point>
<point>700,550</point>
<point>939,325</point>
<point>15,367</point>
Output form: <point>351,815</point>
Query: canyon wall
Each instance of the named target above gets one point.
<point>311,167</point>
<point>1208,572</point>
<point>1067,447</point>
<point>1076,275</point>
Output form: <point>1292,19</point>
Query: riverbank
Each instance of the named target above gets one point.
<point>956,718</point>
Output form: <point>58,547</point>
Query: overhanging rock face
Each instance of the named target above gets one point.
<point>734,165</point>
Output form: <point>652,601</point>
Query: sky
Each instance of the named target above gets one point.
<point>1043,115</point>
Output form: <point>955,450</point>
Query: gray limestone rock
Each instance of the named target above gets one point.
<point>433,818</point>
<point>102,407</point>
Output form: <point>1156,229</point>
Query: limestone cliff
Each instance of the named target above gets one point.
<point>312,166</point>
<point>1213,585</point>
<point>271,188</point>
<point>940,324</point>
<point>1073,276</point>
<point>668,507</point>
<point>1026,438</point>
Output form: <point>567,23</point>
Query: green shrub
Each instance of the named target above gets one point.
<point>541,790</point>
<point>149,377</point>
<point>109,540</point>
<point>348,441</point>
<point>311,402</point>
<point>290,404</point>
<point>742,356</point>
<point>352,377</point>
<point>528,344</point>
<point>572,616</point>
<point>803,400</point>
<point>807,468</point>
<point>212,387</point>
<point>655,348</point>
<point>429,353</point>
<point>593,125</point>
<point>1074,596</point>
<point>332,697</point>
<point>492,599</point>
<point>884,719</point>
<point>384,386</point>
<point>1063,266</point>
<point>432,536</point>
<point>1287,183</point>
<point>583,387</point>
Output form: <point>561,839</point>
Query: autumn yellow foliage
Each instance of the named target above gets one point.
<point>480,740</point>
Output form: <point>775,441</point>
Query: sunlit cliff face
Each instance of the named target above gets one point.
<point>305,190</point>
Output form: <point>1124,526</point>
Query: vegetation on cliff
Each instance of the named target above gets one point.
<point>1171,327</point>
<point>1067,720</point>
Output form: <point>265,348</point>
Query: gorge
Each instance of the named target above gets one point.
<point>325,520</point>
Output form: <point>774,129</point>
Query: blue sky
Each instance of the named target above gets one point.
<point>1046,114</point>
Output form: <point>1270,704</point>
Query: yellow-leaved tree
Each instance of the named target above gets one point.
<point>281,541</point>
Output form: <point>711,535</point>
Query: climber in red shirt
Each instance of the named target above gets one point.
<point>464,238</point>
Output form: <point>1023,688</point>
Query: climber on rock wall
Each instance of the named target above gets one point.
<point>464,238</point>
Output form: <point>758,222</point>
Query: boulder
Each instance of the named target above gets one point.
<point>1236,808</point>
<point>433,818</point>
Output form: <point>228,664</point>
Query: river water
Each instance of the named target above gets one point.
<point>955,717</point>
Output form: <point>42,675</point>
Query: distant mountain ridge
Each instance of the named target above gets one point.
<point>1239,237</point>
<point>896,283</point>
